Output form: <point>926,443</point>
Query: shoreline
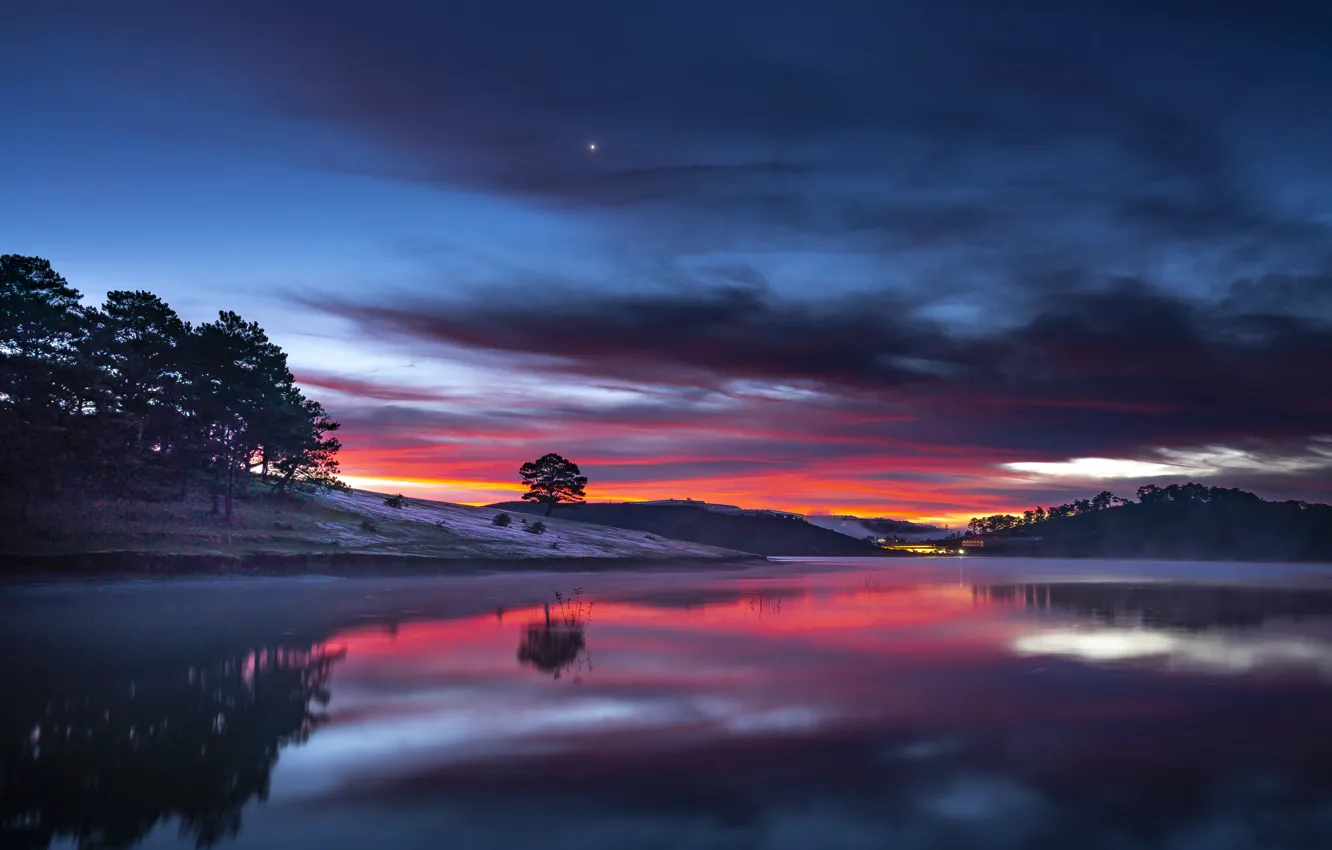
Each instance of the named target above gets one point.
<point>132,564</point>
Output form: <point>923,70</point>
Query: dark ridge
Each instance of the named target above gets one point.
<point>1216,530</point>
<point>896,526</point>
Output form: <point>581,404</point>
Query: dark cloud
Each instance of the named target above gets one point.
<point>1121,365</point>
<point>1140,124</point>
<point>696,338</point>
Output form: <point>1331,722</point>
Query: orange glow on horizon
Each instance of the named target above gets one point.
<point>837,486</point>
<point>481,493</point>
<point>757,496</point>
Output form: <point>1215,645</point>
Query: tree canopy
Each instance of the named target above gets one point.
<point>1183,521</point>
<point>1004,522</point>
<point>129,398</point>
<point>552,480</point>
<point>1148,494</point>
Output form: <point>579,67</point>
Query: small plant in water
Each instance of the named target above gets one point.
<point>575,610</point>
<point>559,644</point>
<point>502,520</point>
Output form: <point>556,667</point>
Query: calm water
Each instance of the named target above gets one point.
<point>931,704</point>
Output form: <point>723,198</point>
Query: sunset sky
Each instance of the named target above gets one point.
<point>912,259</point>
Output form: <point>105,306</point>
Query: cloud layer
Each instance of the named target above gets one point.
<point>734,384</point>
<point>851,255</point>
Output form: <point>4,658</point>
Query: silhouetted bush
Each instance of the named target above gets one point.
<point>537,527</point>
<point>395,501</point>
<point>367,525</point>
<point>502,520</point>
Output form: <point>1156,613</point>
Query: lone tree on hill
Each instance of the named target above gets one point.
<point>551,480</point>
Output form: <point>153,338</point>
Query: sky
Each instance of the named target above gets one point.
<point>921,260</point>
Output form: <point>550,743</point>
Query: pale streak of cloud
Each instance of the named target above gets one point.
<point>1100,468</point>
<point>1196,463</point>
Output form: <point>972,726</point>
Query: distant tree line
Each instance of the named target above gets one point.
<point>1148,494</point>
<point>129,399</point>
<point>1003,522</point>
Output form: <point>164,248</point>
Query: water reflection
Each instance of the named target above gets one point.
<point>761,605</point>
<point>558,645</point>
<point>832,709</point>
<point>106,760</point>
<point>1185,606</point>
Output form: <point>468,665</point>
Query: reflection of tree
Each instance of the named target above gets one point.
<point>762,605</point>
<point>558,645</point>
<point>551,648</point>
<point>1166,605</point>
<point>105,763</point>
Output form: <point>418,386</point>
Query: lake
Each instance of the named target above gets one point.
<point>923,703</point>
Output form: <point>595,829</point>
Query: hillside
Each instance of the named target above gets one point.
<point>356,522</point>
<point>1249,529</point>
<point>757,532</point>
<point>862,527</point>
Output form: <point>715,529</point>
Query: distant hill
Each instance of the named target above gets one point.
<point>1240,526</point>
<point>713,507</point>
<point>862,527</point>
<point>759,532</point>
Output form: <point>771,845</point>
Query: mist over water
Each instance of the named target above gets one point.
<point>800,704</point>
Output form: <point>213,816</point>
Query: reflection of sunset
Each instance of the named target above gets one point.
<point>940,668</point>
<point>871,617</point>
<point>816,630</point>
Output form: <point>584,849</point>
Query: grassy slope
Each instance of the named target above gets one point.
<point>356,523</point>
<point>762,534</point>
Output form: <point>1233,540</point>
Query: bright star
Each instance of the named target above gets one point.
<point>592,146</point>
